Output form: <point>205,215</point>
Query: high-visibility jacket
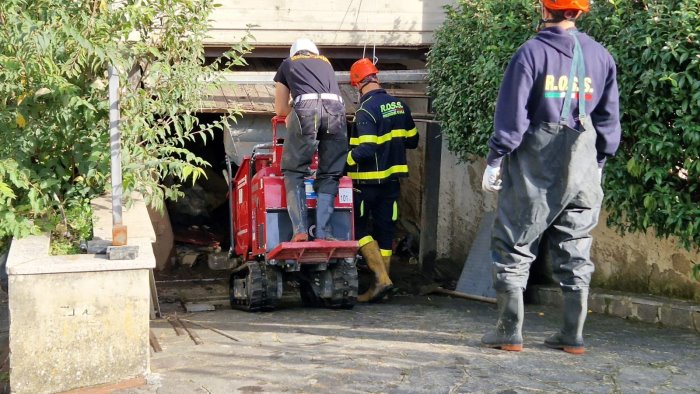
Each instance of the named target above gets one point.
<point>383,130</point>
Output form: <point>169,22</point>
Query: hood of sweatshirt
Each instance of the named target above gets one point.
<point>559,39</point>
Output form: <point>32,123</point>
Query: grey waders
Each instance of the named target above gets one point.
<point>508,334</point>
<point>570,337</point>
<point>296,206</point>
<point>324,211</point>
<point>551,189</point>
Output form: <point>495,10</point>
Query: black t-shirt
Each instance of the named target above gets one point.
<point>307,74</point>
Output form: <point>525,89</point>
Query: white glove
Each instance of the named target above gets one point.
<point>492,179</point>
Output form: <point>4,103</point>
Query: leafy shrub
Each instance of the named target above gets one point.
<point>466,65</point>
<point>75,226</point>
<point>54,109</point>
<point>654,180</point>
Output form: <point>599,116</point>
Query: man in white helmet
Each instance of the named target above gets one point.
<point>315,118</point>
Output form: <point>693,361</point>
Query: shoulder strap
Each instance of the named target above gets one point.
<point>578,69</point>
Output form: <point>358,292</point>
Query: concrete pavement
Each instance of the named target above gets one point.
<point>413,344</point>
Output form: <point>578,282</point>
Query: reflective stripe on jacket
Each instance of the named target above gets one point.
<point>383,130</point>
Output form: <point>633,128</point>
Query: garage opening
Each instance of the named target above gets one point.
<point>201,220</point>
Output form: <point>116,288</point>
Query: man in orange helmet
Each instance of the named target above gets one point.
<point>557,120</point>
<point>383,130</point>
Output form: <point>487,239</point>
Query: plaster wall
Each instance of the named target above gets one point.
<point>639,263</point>
<point>643,263</point>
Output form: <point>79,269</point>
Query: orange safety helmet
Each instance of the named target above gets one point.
<point>360,70</point>
<point>561,5</point>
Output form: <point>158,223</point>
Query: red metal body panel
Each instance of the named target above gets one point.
<point>260,189</point>
<point>241,206</point>
<point>314,251</point>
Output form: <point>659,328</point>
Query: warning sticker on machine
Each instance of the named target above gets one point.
<point>345,195</point>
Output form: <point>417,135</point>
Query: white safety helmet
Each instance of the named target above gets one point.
<point>303,44</point>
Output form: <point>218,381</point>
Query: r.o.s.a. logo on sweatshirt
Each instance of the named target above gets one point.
<point>557,87</point>
<point>391,109</point>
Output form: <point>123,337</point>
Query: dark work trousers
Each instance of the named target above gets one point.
<point>315,124</point>
<point>376,204</point>
<point>551,188</point>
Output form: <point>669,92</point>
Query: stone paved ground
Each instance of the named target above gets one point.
<point>414,344</point>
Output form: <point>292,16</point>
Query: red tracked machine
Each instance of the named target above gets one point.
<point>324,270</point>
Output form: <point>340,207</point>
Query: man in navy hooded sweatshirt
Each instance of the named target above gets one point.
<point>557,120</point>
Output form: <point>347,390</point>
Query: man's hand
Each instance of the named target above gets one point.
<point>492,179</point>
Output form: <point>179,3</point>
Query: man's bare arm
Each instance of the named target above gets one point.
<point>282,107</point>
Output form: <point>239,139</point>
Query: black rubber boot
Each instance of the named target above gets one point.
<point>570,338</point>
<point>508,334</point>
<point>296,206</point>
<point>324,211</point>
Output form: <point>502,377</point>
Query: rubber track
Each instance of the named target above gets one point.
<point>344,276</point>
<point>263,288</point>
<point>255,289</point>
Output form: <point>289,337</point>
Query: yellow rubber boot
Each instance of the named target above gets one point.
<point>387,264</point>
<point>382,284</point>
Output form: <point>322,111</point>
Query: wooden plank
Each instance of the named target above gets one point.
<point>266,96</point>
<point>193,335</point>
<point>213,329</point>
<point>155,304</point>
<point>465,296</point>
<point>154,342</point>
<point>251,95</point>
<point>177,326</point>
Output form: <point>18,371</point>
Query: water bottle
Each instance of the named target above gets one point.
<point>309,188</point>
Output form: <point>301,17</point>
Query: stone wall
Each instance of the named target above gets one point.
<point>639,263</point>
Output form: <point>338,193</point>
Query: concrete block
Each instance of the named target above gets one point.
<point>79,320</point>
<point>620,306</point>
<point>221,261</point>
<point>646,310</point>
<point>98,246</point>
<point>598,303</point>
<point>189,259</point>
<point>122,252</point>
<point>550,296</point>
<point>71,330</point>
<point>198,307</point>
<point>676,316</point>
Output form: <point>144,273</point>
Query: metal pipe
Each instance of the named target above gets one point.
<point>389,76</point>
<point>231,199</point>
<point>115,145</point>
